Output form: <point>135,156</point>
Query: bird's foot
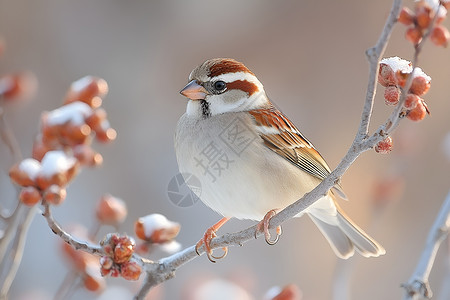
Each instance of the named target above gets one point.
<point>263,226</point>
<point>210,233</point>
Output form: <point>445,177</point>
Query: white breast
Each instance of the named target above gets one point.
<point>240,177</point>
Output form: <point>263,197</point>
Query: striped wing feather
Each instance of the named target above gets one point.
<point>281,136</point>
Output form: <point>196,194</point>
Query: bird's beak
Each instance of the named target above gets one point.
<point>194,91</point>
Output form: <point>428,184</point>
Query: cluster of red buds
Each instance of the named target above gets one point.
<point>64,143</point>
<point>393,74</point>
<point>156,229</point>
<point>85,264</point>
<point>118,259</point>
<point>419,20</point>
<point>72,126</point>
<point>110,210</point>
<point>46,179</point>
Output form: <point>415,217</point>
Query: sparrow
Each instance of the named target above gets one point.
<point>252,161</point>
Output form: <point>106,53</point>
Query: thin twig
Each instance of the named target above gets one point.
<point>374,55</point>
<point>95,229</point>
<point>17,249</point>
<point>8,137</point>
<point>444,291</point>
<point>418,284</point>
<point>70,280</point>
<point>13,222</point>
<point>66,237</point>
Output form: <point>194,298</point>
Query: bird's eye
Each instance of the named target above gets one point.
<point>220,86</point>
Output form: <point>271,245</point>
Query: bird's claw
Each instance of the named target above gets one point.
<point>206,240</point>
<point>263,226</point>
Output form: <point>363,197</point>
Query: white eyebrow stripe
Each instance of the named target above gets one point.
<point>230,77</point>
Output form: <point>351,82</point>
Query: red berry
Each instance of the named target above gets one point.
<point>105,135</point>
<point>106,264</point>
<point>96,118</point>
<point>418,113</point>
<point>391,95</point>
<point>93,281</point>
<point>401,77</point>
<point>111,210</point>
<point>86,155</point>
<point>440,36</point>
<point>55,194</point>
<point>130,270</point>
<point>30,196</point>
<point>411,101</point>
<point>88,89</point>
<point>420,85</point>
<point>406,16</point>
<point>384,146</point>
<point>156,228</point>
<point>414,35</point>
<point>124,250</point>
<point>25,172</point>
<point>423,14</point>
<point>386,76</point>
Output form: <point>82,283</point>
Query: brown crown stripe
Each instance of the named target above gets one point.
<point>243,85</point>
<point>227,66</point>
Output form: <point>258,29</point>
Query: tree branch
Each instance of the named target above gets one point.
<point>418,285</point>
<point>66,237</point>
<point>86,246</point>
<point>374,55</point>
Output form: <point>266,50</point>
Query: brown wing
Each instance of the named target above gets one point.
<point>282,137</point>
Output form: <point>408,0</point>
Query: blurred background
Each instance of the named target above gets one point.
<point>309,55</point>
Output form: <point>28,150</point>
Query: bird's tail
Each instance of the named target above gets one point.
<point>341,232</point>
